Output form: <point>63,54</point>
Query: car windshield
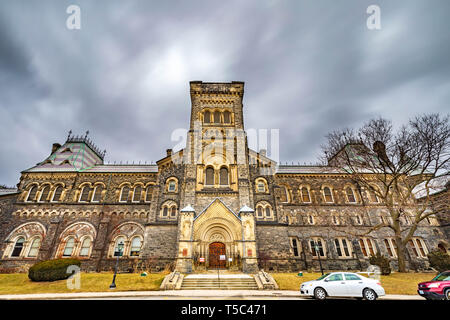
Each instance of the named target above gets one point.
<point>323,276</point>
<point>444,276</point>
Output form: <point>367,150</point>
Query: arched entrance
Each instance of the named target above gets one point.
<point>216,249</point>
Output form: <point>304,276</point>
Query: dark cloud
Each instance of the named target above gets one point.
<point>309,67</point>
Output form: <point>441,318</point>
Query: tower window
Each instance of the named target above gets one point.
<point>216,117</point>
<point>85,194</point>
<point>226,117</point>
<point>124,195</point>
<point>57,194</point>
<point>32,193</point>
<point>207,117</point>
<point>137,194</point>
<point>97,193</point>
<point>44,194</point>
<point>223,176</point>
<point>209,176</point>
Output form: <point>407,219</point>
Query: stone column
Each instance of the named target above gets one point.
<point>250,260</point>
<point>185,240</point>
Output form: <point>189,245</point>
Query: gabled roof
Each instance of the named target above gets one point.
<point>209,205</point>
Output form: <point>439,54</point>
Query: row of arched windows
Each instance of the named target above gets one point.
<point>75,241</point>
<point>217,117</point>
<point>214,177</point>
<point>45,193</point>
<point>327,194</point>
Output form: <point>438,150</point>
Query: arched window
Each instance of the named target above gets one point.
<point>327,195</point>
<point>358,219</point>
<point>44,194</point>
<point>226,117</point>
<point>84,197</point>
<point>367,247</point>
<point>373,196</point>
<point>137,194</point>
<point>32,193</point>
<point>148,194</point>
<point>216,117</point>
<point>34,249</point>
<point>85,247</point>
<point>316,246</point>
<point>261,186</point>
<point>259,212</point>
<point>223,176</point>
<point>268,211</point>
<point>70,245</point>
<point>207,117</point>
<point>335,219</point>
<point>350,195</point>
<point>173,211</point>
<point>135,247</point>
<point>97,193</point>
<point>172,186</point>
<point>57,194</point>
<point>18,246</point>
<point>165,209</point>
<point>209,176</point>
<point>120,240</point>
<point>391,247</point>
<point>418,247</point>
<point>305,195</point>
<point>342,247</point>
<point>124,194</point>
<point>311,219</point>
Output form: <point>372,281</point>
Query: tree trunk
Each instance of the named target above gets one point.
<point>401,254</point>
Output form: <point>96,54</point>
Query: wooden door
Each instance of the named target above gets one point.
<point>216,249</point>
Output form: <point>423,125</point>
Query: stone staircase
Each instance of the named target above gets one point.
<point>225,282</point>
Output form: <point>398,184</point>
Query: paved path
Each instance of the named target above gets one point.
<point>183,295</point>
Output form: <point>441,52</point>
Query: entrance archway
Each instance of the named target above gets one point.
<point>216,249</point>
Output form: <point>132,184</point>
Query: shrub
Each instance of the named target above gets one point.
<point>381,262</point>
<point>439,260</point>
<point>51,270</point>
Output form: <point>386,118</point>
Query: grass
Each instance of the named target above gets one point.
<point>18,283</point>
<point>395,283</point>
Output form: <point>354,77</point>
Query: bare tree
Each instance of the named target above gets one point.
<point>398,168</point>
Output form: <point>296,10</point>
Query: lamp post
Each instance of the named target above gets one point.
<point>119,253</point>
<point>316,247</point>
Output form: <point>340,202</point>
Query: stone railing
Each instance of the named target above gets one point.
<point>172,281</point>
<point>265,281</point>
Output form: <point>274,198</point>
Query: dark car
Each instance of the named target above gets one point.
<point>436,289</point>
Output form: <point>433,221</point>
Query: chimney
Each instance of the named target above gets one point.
<point>55,147</point>
<point>169,152</point>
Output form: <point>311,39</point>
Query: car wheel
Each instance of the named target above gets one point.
<point>447,294</point>
<point>320,294</point>
<point>369,294</point>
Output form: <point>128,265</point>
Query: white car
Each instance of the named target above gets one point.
<point>342,284</point>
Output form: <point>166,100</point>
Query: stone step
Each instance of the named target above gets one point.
<point>216,284</point>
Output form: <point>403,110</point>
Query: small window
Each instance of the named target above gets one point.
<point>84,197</point>
<point>34,249</point>
<point>68,249</point>
<point>165,210</point>
<point>311,219</point>
<point>18,246</point>
<point>137,194</point>
<point>216,117</point>
<point>350,195</point>
<point>173,211</point>
<point>44,194</point>
<point>319,249</point>
<point>85,247</point>
<point>207,117</point>
<point>32,194</point>
<point>117,252</point>
<point>209,176</point>
<point>305,195</point>
<point>97,193</point>
<point>223,176</point>
<point>327,194</point>
<point>295,249</point>
<point>391,247</point>
<point>335,220</point>
<point>342,247</point>
<point>148,194</point>
<point>172,186</point>
<point>268,212</point>
<point>261,187</point>
<point>367,247</point>
<point>135,247</point>
<point>124,194</point>
<point>358,219</point>
<point>259,212</point>
<point>373,196</point>
<point>57,194</point>
<point>226,117</point>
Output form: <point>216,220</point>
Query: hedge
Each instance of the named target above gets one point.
<point>52,270</point>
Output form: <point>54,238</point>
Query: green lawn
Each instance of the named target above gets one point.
<point>18,283</point>
<point>395,283</point>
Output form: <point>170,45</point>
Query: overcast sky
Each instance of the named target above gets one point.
<point>309,67</point>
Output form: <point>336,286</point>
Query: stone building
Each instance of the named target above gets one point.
<point>214,204</point>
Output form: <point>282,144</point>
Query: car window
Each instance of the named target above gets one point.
<point>335,277</point>
<point>322,276</point>
<point>444,276</point>
<point>349,276</point>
